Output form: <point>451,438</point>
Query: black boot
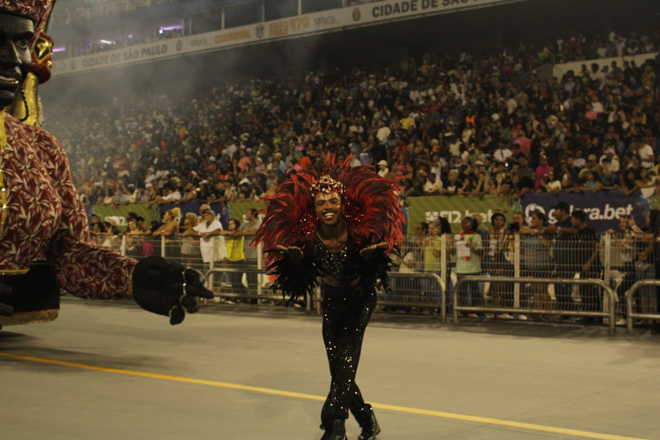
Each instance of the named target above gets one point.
<point>336,431</point>
<point>367,421</point>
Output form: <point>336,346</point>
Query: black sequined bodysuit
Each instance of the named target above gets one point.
<point>328,263</point>
<point>346,313</point>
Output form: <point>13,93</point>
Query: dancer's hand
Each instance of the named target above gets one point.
<point>368,252</point>
<point>166,288</point>
<point>294,253</point>
<point>5,310</point>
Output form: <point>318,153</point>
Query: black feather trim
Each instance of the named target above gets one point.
<point>372,272</point>
<point>294,280</point>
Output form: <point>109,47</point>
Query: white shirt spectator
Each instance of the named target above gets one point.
<point>437,170</point>
<point>455,148</point>
<point>615,166</point>
<point>597,106</point>
<point>501,155</point>
<point>383,133</point>
<point>409,259</point>
<point>206,244</point>
<point>646,156</point>
<point>174,196</point>
<point>432,186</point>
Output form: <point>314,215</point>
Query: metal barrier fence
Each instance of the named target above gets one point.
<point>409,295</point>
<point>527,306</point>
<point>383,298</point>
<point>611,258</point>
<point>630,309</point>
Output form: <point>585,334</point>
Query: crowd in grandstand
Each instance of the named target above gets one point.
<point>464,125</point>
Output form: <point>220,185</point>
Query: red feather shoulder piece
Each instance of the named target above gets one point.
<point>371,209</point>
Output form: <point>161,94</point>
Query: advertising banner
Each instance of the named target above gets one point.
<point>116,58</point>
<point>308,24</point>
<point>454,209</point>
<point>603,209</point>
<point>117,215</point>
<point>392,10</point>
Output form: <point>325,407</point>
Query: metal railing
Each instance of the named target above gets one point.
<point>610,305</point>
<point>507,263</point>
<point>630,313</point>
<point>246,270</point>
<point>318,299</point>
<point>382,299</point>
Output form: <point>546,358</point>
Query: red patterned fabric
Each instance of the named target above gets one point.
<point>37,10</point>
<point>46,215</point>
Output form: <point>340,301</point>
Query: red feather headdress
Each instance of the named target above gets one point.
<point>371,207</point>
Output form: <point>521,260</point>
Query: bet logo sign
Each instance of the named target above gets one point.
<point>531,209</point>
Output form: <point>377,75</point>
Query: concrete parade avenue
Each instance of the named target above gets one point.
<point>107,370</point>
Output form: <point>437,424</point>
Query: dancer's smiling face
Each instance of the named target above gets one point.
<point>329,208</point>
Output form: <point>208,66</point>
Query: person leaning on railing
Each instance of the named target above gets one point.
<point>586,251</point>
<point>497,264</point>
<point>170,229</point>
<point>235,256</point>
<point>209,230</point>
<point>469,252</point>
<point>134,240</point>
<point>536,259</point>
<point>431,247</point>
<point>189,245</point>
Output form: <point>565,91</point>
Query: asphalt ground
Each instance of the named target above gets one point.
<point>108,370</point>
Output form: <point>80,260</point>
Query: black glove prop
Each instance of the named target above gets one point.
<point>167,288</point>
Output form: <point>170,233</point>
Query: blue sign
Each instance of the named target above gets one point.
<point>603,208</point>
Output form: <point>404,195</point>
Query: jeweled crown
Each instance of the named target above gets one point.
<point>327,185</point>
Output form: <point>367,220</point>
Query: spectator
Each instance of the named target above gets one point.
<point>235,257</point>
<point>453,185</point>
<point>432,249</point>
<point>542,171</point>
<point>189,243</point>
<point>623,255</point>
<point>211,241</point>
<point>170,226</point>
<point>189,195</point>
<point>537,260</point>
<point>469,250</point>
<point>608,179</point>
<point>585,251</point>
<point>496,262</point>
<point>551,185</point>
<point>383,171</point>
<point>432,186</point>
<point>134,240</point>
<point>645,183</point>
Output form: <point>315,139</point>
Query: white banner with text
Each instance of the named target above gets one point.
<point>309,24</point>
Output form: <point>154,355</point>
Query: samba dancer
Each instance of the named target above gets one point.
<point>340,225</point>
